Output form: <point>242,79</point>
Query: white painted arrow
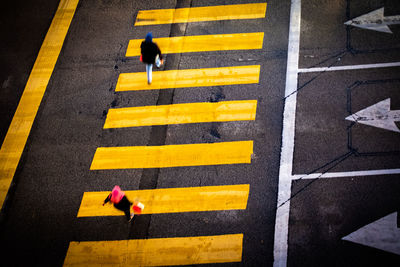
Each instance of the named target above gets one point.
<point>375,20</point>
<point>382,234</point>
<point>378,115</point>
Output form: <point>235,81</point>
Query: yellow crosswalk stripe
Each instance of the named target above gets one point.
<point>189,78</point>
<point>157,251</point>
<point>181,113</point>
<point>171,200</point>
<point>201,43</point>
<point>196,14</point>
<point>172,155</point>
<point>21,124</point>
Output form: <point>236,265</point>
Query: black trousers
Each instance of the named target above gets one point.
<point>125,206</point>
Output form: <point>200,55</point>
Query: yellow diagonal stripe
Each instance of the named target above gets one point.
<point>196,14</point>
<point>200,43</point>
<point>157,251</point>
<point>171,200</point>
<point>189,78</point>
<point>172,155</point>
<point>18,132</point>
<point>181,113</point>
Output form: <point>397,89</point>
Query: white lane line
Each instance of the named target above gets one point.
<point>352,67</point>
<point>346,174</point>
<point>289,115</point>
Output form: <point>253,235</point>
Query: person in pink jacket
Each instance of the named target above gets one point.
<point>120,201</point>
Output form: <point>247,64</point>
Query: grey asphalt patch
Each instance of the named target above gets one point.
<point>22,33</point>
<point>323,134</point>
<point>326,41</point>
<point>322,211</point>
<point>330,209</point>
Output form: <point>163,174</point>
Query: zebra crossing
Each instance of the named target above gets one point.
<point>137,157</point>
<point>181,113</point>
<point>187,199</point>
<point>201,43</point>
<point>189,78</point>
<point>157,251</point>
<point>198,14</point>
<point>178,250</point>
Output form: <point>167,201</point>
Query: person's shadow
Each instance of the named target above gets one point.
<point>139,226</point>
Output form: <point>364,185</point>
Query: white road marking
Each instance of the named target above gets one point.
<point>378,115</point>
<point>346,174</point>
<point>381,234</point>
<point>288,131</point>
<point>375,21</point>
<point>288,134</point>
<point>352,67</point>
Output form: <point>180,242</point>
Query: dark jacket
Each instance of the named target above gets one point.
<point>149,52</point>
<point>123,204</point>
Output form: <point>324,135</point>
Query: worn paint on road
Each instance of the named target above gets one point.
<point>189,78</point>
<point>181,113</point>
<point>157,251</point>
<point>201,43</point>
<point>172,155</point>
<point>197,14</point>
<point>171,200</point>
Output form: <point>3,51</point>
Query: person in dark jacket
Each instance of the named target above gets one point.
<point>120,201</point>
<point>150,54</point>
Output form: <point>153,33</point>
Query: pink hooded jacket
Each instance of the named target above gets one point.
<point>116,194</point>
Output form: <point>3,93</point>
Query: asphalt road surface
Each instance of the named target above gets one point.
<point>341,174</point>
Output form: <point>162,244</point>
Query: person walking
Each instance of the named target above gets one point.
<point>150,54</point>
<point>120,201</point>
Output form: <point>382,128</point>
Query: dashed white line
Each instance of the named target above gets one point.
<point>352,67</point>
<point>289,115</point>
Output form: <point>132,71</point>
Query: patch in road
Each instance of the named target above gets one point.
<point>351,45</point>
<point>17,135</point>
<point>331,209</point>
<point>322,131</point>
<point>17,56</point>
